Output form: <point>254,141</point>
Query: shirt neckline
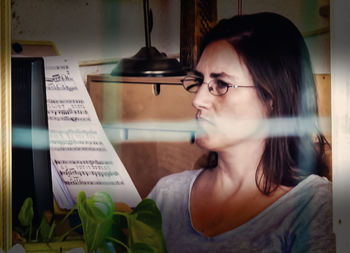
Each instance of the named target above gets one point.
<point>223,235</point>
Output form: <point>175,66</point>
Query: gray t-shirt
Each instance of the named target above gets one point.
<point>300,221</point>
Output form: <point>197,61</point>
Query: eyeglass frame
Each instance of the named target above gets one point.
<point>235,86</point>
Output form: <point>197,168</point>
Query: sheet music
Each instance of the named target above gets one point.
<point>82,156</point>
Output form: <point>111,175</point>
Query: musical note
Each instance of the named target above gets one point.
<point>83,157</point>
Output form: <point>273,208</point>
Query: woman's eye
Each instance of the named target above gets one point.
<point>221,84</point>
<point>198,82</point>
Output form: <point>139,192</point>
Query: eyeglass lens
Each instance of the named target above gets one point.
<point>215,86</point>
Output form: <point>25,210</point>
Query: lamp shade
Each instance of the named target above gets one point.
<point>148,61</point>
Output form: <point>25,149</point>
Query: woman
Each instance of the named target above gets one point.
<point>264,188</point>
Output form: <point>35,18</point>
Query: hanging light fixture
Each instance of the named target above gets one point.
<point>148,61</point>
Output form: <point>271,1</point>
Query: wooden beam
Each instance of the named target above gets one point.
<point>197,18</point>
<point>5,126</point>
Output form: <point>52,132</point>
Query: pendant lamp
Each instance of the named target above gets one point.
<point>148,61</point>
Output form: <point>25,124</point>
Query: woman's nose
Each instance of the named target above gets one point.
<point>202,97</point>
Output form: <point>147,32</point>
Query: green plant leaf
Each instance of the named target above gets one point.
<point>145,226</point>
<point>96,215</point>
<point>103,249</point>
<point>141,248</point>
<point>119,228</point>
<point>148,212</point>
<point>44,229</point>
<point>26,214</point>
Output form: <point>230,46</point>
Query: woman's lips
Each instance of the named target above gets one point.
<point>202,120</point>
<point>204,127</point>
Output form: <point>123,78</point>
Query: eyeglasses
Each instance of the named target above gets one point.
<point>216,87</point>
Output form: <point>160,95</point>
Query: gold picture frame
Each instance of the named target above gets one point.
<point>5,126</point>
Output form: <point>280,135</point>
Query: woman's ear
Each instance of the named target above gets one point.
<point>271,105</point>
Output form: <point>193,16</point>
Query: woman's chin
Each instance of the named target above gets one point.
<point>202,142</point>
<point>206,143</point>
<point>217,144</point>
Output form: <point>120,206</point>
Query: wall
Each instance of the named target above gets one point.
<point>304,14</point>
<point>341,122</point>
<point>108,29</point>
<point>95,29</point>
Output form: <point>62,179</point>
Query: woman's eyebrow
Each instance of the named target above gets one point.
<point>197,73</point>
<point>222,74</point>
<point>214,75</point>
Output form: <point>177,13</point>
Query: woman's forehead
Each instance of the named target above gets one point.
<point>220,49</point>
<point>220,58</point>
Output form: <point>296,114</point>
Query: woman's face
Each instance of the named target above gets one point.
<point>231,119</point>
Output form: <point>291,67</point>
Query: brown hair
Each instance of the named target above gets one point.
<point>277,58</point>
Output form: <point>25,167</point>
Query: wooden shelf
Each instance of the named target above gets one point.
<point>107,78</point>
<point>146,161</point>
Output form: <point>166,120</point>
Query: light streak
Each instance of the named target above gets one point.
<point>180,131</point>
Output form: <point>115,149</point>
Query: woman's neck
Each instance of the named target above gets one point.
<point>237,165</point>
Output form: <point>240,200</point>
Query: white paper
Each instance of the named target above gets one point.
<point>62,195</point>
<point>82,155</point>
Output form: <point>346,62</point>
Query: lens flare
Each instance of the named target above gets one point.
<point>181,131</point>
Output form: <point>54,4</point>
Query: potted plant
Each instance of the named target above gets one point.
<point>106,227</point>
<point>43,238</point>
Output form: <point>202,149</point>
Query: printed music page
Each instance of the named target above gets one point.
<point>82,157</point>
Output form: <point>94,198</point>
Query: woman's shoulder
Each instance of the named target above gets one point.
<point>312,216</point>
<point>174,183</point>
<point>186,175</point>
<point>315,185</point>
<point>175,180</point>
<point>317,180</point>
<point>314,190</point>
<point>310,199</point>
<point>311,195</point>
